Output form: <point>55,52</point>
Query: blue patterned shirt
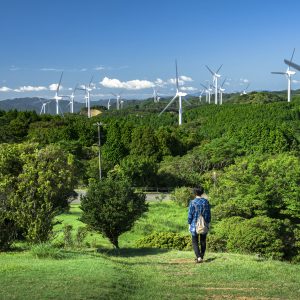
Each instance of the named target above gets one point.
<point>203,208</point>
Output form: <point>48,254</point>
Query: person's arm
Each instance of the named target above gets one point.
<point>191,213</point>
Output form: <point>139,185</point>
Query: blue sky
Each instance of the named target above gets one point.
<point>130,46</point>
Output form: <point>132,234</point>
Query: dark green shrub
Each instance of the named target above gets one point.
<point>260,235</point>
<point>165,240</point>
<point>68,239</point>
<point>111,206</point>
<point>182,196</point>
<point>80,236</point>
<point>46,250</point>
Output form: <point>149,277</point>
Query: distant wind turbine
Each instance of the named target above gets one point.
<point>43,109</point>
<point>207,92</point>
<point>57,98</point>
<point>244,91</point>
<point>178,95</point>
<point>215,81</point>
<point>221,89</point>
<point>118,97</point>
<point>108,104</point>
<point>288,74</point>
<point>88,89</point>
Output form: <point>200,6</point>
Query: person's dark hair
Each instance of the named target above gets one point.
<point>198,190</point>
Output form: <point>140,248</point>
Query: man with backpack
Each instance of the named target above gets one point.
<point>199,220</point>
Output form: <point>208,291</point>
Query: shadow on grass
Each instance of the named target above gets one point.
<point>209,259</point>
<point>131,252</point>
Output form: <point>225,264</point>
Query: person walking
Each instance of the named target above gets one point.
<point>198,206</point>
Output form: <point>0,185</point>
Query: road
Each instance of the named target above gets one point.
<point>149,196</point>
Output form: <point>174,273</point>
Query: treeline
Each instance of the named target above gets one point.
<point>245,155</point>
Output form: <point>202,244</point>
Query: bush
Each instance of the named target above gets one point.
<point>260,235</point>
<point>165,240</point>
<point>46,250</point>
<point>68,239</point>
<point>80,236</point>
<point>111,206</point>
<point>182,196</point>
<point>7,232</point>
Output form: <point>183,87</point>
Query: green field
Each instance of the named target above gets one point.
<point>132,273</point>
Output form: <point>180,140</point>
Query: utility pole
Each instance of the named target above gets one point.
<point>99,146</point>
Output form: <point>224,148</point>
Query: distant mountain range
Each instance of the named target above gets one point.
<point>35,104</point>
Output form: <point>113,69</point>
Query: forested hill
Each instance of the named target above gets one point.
<point>245,155</point>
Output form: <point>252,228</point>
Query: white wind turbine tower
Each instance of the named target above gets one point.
<point>221,89</point>
<point>289,75</point>
<point>88,89</point>
<point>56,96</point>
<point>72,97</point>
<point>200,96</point>
<point>155,95</point>
<point>43,109</point>
<point>108,104</point>
<point>215,81</point>
<point>178,94</point>
<point>118,97</point>
<point>207,92</point>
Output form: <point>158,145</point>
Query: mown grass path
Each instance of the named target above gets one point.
<point>146,274</point>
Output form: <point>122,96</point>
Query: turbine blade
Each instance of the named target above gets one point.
<point>212,73</point>
<point>281,73</point>
<point>91,80</point>
<point>186,101</point>
<point>247,86</point>
<point>75,88</point>
<point>291,64</point>
<point>292,55</point>
<point>57,89</point>
<point>177,85</point>
<point>203,86</point>
<point>223,82</point>
<point>168,105</point>
<point>219,69</point>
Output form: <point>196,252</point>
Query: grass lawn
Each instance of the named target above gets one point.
<point>132,273</point>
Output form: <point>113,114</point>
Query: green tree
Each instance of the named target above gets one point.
<point>42,190</point>
<point>111,206</point>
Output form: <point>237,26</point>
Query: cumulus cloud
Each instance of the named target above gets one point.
<point>29,88</point>
<point>53,87</point>
<point>185,78</point>
<point>100,68</point>
<point>128,85</point>
<point>295,81</point>
<point>188,89</point>
<point>159,82</point>
<point>5,89</point>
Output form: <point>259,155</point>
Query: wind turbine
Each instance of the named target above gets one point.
<point>88,89</point>
<point>118,96</point>
<point>178,94</point>
<point>155,95</point>
<point>221,89</point>
<point>244,90</point>
<point>43,109</point>
<point>108,104</point>
<point>215,81</point>
<point>207,92</point>
<point>200,96</point>
<point>289,75</point>
<point>72,97</point>
<point>56,96</point>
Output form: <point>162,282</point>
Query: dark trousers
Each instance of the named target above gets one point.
<point>195,243</point>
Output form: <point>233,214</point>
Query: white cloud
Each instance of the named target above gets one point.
<point>30,88</point>
<point>185,78</point>
<point>244,80</point>
<point>295,81</point>
<point>188,89</point>
<point>53,87</point>
<point>128,85</point>
<point>83,70</point>
<point>100,68</point>
<point>51,69</point>
<point>5,89</point>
